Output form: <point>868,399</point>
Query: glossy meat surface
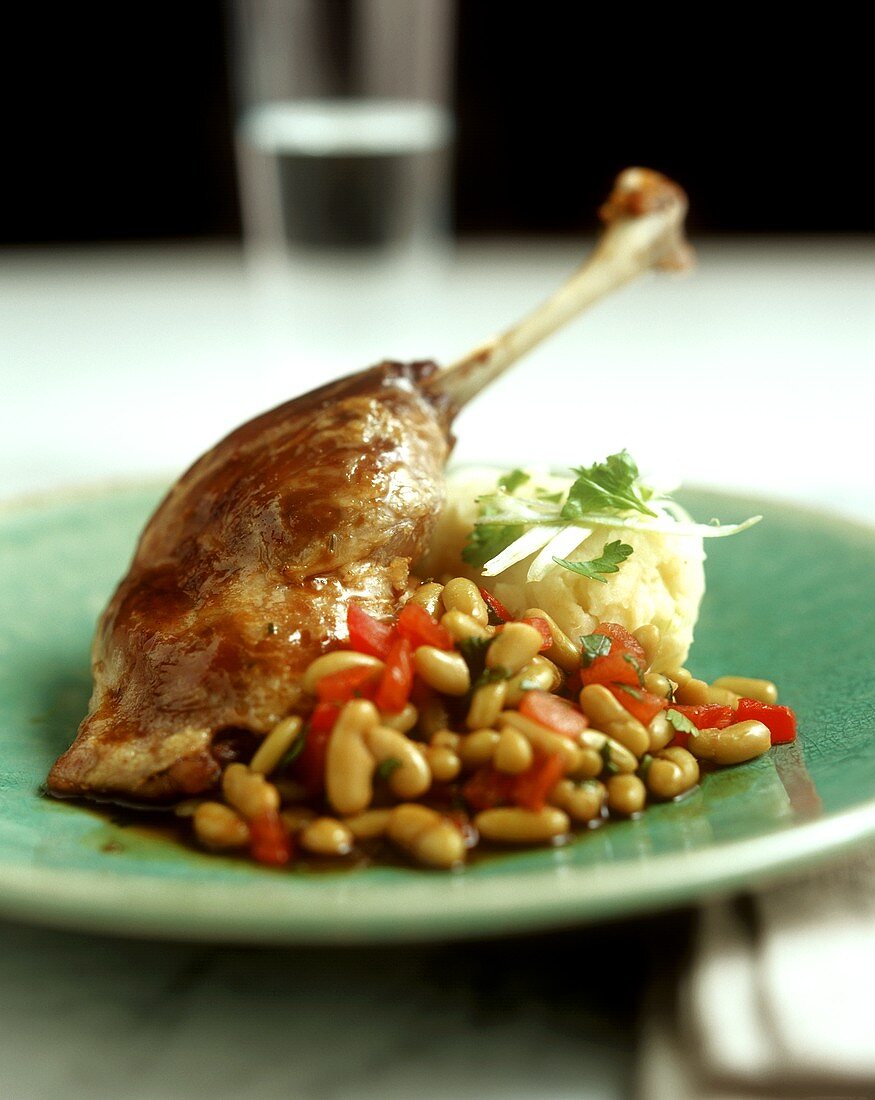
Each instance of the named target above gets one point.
<point>244,573</point>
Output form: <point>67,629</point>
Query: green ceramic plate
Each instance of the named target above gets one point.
<point>790,600</point>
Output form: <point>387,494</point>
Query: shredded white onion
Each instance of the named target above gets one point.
<point>663,524</point>
<point>561,545</point>
<point>520,548</point>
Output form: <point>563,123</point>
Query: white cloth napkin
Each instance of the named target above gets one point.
<point>777,998</point>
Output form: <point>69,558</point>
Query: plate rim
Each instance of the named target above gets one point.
<point>89,900</point>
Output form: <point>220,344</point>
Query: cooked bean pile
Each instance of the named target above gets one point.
<point>455,724</point>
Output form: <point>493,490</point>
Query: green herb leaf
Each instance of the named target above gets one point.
<point>632,660</point>
<point>605,753</point>
<point>473,650</point>
<point>387,766</point>
<point>592,646</point>
<point>513,480</point>
<point>680,721</point>
<point>493,618</point>
<point>548,497</point>
<point>487,540</point>
<point>612,485</point>
<point>634,692</point>
<point>293,752</point>
<point>491,676</point>
<point>613,556</point>
<point>644,766</point>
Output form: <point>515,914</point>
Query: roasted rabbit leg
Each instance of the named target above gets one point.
<point>244,573</point>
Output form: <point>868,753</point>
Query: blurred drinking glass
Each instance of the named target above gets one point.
<point>343,126</point>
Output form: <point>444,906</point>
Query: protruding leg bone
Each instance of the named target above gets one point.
<point>644,230</point>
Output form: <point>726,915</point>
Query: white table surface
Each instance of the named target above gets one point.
<point>758,371</point>
<point>126,362</point>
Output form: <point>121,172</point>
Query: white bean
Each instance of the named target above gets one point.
<point>349,765</point>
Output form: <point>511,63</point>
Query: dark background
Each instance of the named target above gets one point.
<point>118,119</point>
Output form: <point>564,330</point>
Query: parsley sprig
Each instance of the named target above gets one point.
<point>611,485</point>
<point>488,539</point>
<point>512,481</point>
<point>612,557</point>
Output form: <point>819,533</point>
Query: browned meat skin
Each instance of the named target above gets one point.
<point>244,573</point>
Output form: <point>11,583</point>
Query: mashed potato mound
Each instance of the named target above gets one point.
<point>661,583</point>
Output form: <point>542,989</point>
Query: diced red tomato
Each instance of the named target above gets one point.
<point>323,717</point>
<point>269,841</point>
<point>543,628</point>
<point>614,668</point>
<point>643,705</point>
<point>704,717</point>
<point>531,788</point>
<point>397,679</point>
<point>309,768</point>
<point>349,683</point>
<point>708,716</point>
<point>497,608</point>
<point>419,628</point>
<point>367,634</point>
<point>781,721</point>
<point>553,713</point>
<point>487,788</point>
<point>681,739</point>
<point>621,639</point>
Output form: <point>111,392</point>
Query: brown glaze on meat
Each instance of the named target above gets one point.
<point>244,573</point>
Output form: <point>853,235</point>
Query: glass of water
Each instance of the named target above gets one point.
<point>344,130</point>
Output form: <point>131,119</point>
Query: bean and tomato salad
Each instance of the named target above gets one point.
<point>457,724</point>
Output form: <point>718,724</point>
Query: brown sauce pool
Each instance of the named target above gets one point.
<point>162,824</point>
